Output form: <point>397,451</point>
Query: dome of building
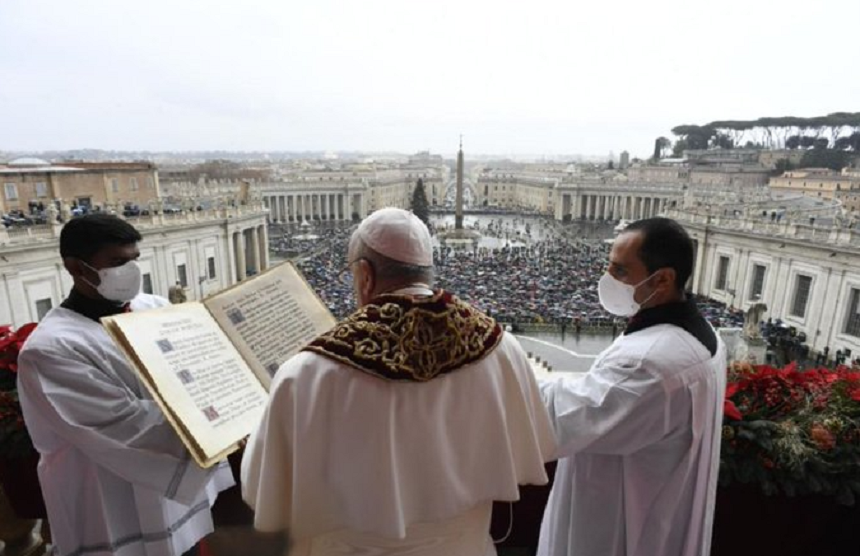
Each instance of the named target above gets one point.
<point>25,162</point>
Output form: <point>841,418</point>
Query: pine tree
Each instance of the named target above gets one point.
<point>420,206</point>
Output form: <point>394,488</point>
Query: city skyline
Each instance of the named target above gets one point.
<point>517,80</point>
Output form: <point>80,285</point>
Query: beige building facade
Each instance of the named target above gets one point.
<point>33,182</point>
<point>808,275</point>
<point>820,183</point>
<point>204,251</point>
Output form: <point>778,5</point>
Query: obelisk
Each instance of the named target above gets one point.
<point>458,206</point>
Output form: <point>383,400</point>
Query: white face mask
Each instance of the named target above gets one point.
<point>617,297</point>
<point>118,283</point>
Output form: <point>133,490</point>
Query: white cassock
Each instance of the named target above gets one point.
<point>639,439</point>
<point>350,463</point>
<point>115,477</point>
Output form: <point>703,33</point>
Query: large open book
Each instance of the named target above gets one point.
<point>209,364</point>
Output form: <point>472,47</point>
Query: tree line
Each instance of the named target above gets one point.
<point>839,131</point>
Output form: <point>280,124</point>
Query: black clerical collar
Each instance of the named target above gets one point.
<point>93,309</point>
<point>684,314</point>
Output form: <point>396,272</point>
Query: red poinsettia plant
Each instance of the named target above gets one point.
<point>14,440</point>
<point>793,432</point>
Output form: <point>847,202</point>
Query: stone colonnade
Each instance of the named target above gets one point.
<point>300,207</point>
<point>613,206</point>
<point>250,249</point>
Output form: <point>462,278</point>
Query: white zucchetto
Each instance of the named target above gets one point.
<point>399,235</point>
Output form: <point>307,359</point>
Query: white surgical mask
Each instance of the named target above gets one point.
<point>617,297</point>
<point>118,283</point>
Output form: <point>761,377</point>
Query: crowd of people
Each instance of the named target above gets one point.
<point>544,278</point>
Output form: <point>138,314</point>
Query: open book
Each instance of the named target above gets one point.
<point>209,364</point>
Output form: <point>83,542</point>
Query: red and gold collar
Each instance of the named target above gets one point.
<point>405,338</point>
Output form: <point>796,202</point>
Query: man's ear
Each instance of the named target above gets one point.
<point>73,266</point>
<point>367,278</point>
<point>666,278</point>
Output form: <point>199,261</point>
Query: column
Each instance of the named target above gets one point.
<point>255,250</point>
<point>230,263</point>
<point>241,262</point>
<point>697,285</point>
<point>264,248</point>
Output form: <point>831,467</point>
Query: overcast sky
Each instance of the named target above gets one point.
<point>525,76</point>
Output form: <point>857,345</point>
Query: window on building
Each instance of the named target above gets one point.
<point>114,185</point>
<point>11,191</point>
<point>757,286</point>
<point>802,285</point>
<point>852,317</point>
<point>722,273</point>
<point>150,183</point>
<point>41,189</point>
<point>182,276</point>
<point>147,283</point>
<point>133,184</point>
<point>42,307</point>
<point>210,263</point>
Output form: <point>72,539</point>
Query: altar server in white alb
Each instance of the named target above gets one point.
<point>115,477</point>
<point>639,434</point>
<point>394,432</point>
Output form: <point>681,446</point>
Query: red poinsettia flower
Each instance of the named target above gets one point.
<point>11,344</point>
<point>731,411</point>
<point>732,389</point>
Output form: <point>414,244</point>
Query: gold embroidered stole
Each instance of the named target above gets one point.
<point>405,338</point>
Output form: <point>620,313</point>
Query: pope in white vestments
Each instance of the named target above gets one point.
<point>638,435</point>
<point>115,477</point>
<point>395,431</point>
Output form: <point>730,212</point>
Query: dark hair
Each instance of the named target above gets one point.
<point>84,236</point>
<point>665,243</point>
